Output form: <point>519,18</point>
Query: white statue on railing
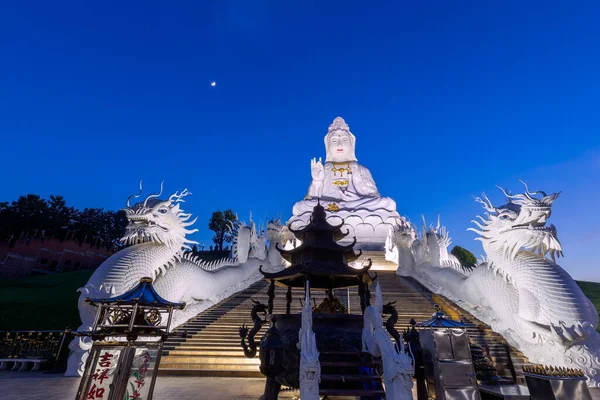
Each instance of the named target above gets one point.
<point>347,189</point>
<point>398,369</point>
<point>407,249</point>
<point>157,233</point>
<point>519,291</point>
<point>275,235</point>
<point>310,367</point>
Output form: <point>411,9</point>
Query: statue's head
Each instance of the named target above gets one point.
<point>339,142</point>
<point>520,224</point>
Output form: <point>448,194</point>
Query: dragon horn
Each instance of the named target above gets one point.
<point>153,196</point>
<point>509,197</point>
<point>529,193</point>
<point>134,196</point>
<point>487,204</point>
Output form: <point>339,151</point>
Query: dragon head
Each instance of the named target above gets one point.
<point>519,224</point>
<point>402,234</point>
<point>274,230</point>
<point>158,221</point>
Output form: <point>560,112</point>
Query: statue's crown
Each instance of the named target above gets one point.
<point>339,124</point>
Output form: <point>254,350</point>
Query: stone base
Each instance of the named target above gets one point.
<point>369,227</point>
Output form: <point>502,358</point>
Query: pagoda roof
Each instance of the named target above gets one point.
<point>321,274</point>
<point>318,222</point>
<point>439,320</point>
<point>331,246</point>
<point>337,233</point>
<point>142,294</point>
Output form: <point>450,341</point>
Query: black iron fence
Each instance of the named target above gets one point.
<point>51,346</point>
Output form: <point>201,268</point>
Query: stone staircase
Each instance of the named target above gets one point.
<point>212,346</point>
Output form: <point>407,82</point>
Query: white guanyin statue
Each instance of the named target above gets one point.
<point>347,190</point>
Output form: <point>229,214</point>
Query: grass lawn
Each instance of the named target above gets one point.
<point>49,302</point>
<point>42,302</point>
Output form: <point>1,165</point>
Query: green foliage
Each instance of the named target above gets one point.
<point>467,259</point>
<point>592,291</point>
<point>32,216</point>
<point>220,224</point>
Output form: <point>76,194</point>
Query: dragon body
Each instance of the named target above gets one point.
<point>156,235</point>
<point>250,348</point>
<point>519,289</point>
<point>390,323</point>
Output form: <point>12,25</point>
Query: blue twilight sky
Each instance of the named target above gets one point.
<point>446,100</point>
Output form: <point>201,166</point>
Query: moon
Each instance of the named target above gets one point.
<point>213,84</point>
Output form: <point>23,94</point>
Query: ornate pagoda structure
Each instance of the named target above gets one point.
<point>319,263</point>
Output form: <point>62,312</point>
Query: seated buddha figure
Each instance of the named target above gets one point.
<point>341,183</point>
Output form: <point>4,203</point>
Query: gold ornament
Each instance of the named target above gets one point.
<point>333,207</point>
<point>341,170</point>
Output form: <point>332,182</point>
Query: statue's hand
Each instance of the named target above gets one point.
<point>317,170</point>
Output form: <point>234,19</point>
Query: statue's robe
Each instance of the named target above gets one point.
<point>354,190</point>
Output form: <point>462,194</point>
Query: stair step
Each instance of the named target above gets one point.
<point>351,392</point>
<point>187,359</point>
<point>209,366</point>
<point>209,372</point>
<point>212,346</point>
<point>349,377</point>
<point>208,352</point>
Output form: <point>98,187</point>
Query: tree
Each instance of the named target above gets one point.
<point>28,214</point>
<point>465,257</point>
<point>32,216</point>
<point>220,224</point>
<point>61,218</point>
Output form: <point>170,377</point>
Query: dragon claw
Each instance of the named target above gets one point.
<point>243,331</point>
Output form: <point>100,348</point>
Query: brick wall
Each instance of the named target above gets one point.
<point>35,256</point>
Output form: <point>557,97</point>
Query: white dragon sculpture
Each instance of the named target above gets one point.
<point>156,235</point>
<point>404,247</point>
<point>519,290</point>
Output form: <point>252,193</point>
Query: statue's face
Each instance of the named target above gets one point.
<point>340,147</point>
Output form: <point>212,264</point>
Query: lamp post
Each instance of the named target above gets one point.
<point>128,336</point>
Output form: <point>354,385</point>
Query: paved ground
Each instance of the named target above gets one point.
<point>39,386</point>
